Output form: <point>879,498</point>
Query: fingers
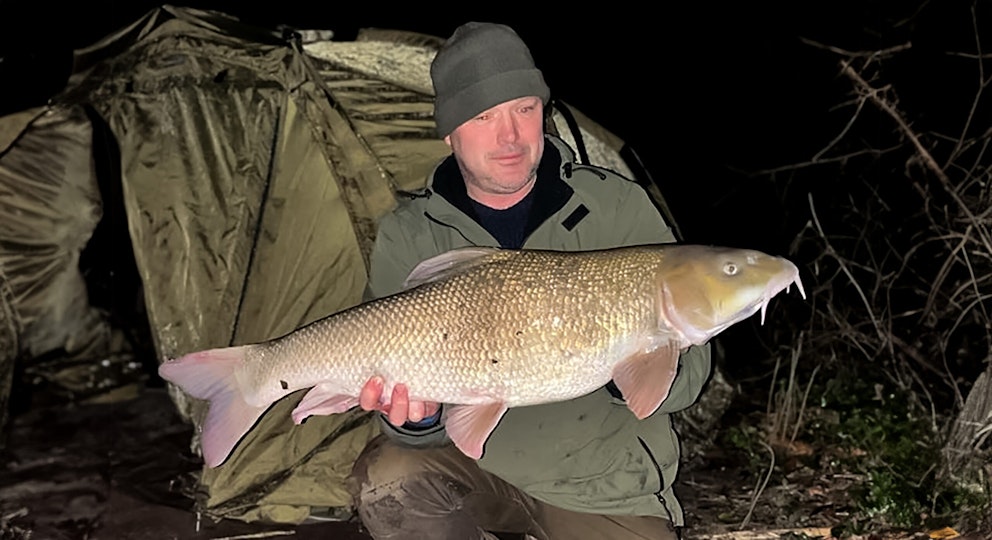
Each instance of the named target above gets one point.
<point>431,408</point>
<point>399,407</point>
<point>371,396</point>
<point>416,412</point>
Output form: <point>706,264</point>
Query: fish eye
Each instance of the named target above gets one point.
<point>730,269</point>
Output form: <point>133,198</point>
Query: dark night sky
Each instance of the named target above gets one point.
<point>702,90</point>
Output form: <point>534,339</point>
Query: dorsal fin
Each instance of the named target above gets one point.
<point>448,264</point>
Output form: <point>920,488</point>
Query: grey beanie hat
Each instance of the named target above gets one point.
<point>480,66</point>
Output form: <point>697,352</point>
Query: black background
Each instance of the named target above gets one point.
<point>706,92</point>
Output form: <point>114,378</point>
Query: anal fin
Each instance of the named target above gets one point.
<point>469,426</point>
<point>323,399</point>
<point>646,378</point>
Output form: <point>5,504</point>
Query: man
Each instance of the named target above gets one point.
<point>585,468</point>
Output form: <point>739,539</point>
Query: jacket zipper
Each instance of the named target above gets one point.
<point>657,468</point>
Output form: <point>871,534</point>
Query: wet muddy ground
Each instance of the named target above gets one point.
<point>116,470</point>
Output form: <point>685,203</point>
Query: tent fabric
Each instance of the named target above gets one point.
<point>250,203</point>
<point>49,207</point>
<point>9,348</point>
<point>253,170</point>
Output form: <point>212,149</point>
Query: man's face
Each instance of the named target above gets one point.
<point>498,151</point>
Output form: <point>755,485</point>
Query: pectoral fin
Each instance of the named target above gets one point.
<point>469,426</point>
<point>646,378</point>
<point>323,399</point>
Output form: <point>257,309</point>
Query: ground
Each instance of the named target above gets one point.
<point>113,469</point>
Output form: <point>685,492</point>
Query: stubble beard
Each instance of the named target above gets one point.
<point>491,185</point>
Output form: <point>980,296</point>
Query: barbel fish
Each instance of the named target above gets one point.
<point>485,329</point>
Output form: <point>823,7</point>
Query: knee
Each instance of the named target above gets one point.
<point>397,488</point>
<point>385,462</point>
<point>389,470</point>
<point>380,456</point>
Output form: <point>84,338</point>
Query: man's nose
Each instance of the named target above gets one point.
<point>507,131</point>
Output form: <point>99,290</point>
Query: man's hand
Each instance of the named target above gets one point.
<point>400,409</point>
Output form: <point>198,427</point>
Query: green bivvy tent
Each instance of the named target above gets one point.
<point>253,166</point>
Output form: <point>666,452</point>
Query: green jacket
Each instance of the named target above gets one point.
<point>588,454</point>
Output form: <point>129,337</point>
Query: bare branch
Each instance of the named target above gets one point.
<point>922,152</point>
<point>759,489</point>
<point>821,161</point>
<point>982,84</point>
<point>858,54</point>
<point>843,267</point>
<point>843,132</point>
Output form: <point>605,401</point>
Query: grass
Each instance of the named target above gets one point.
<point>861,427</point>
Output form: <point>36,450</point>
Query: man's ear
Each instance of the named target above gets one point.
<point>447,140</point>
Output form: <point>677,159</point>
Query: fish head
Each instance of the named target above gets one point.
<point>705,289</point>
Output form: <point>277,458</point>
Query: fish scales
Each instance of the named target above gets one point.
<point>532,344</point>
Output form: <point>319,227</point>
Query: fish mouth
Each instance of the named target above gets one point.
<point>779,283</point>
<point>697,335</point>
<point>782,281</point>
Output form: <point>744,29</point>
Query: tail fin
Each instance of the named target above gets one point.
<point>210,375</point>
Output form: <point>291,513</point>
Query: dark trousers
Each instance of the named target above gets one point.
<point>438,493</point>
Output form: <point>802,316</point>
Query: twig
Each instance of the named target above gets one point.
<point>982,83</point>
<point>23,511</point>
<point>933,406</point>
<point>843,266</point>
<point>858,54</point>
<point>978,300</point>
<point>974,280</point>
<point>771,391</point>
<point>846,330</point>
<point>970,56</point>
<point>782,418</point>
<point>268,534</point>
<point>915,354</point>
<point>776,534</point>
<point>802,406</point>
<point>945,270</point>
<point>842,134</point>
<point>873,94</point>
<point>821,161</point>
<point>757,494</point>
